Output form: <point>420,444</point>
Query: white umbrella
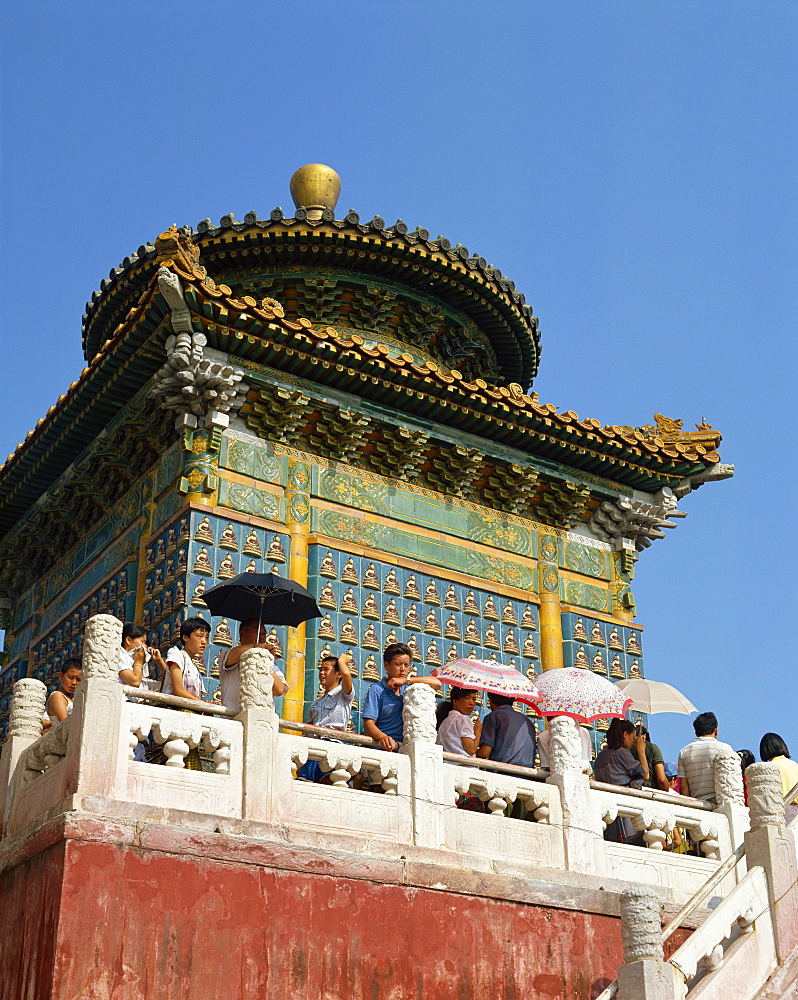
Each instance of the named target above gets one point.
<point>651,697</point>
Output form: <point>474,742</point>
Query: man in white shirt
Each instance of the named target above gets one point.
<point>696,774</point>
<point>229,662</point>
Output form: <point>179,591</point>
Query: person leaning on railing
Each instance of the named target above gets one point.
<point>616,764</point>
<point>382,708</point>
<point>772,748</point>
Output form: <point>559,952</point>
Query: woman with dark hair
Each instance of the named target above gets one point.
<point>457,731</point>
<point>773,748</point>
<point>616,765</point>
<point>746,759</point>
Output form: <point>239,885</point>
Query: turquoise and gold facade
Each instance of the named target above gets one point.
<point>381,446</point>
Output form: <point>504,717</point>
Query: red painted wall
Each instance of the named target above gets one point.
<point>141,925</point>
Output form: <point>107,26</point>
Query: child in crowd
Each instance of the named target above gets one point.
<point>746,759</point>
<point>382,708</point>
<point>457,731</point>
<point>675,841</point>
<point>135,658</point>
<point>59,704</point>
<point>183,677</point>
<point>250,635</point>
<point>332,709</point>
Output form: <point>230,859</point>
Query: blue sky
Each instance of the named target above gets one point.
<point>631,166</point>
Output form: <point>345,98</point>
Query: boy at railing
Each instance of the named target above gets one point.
<point>250,635</point>
<point>333,709</point>
<point>382,708</point>
<point>59,704</point>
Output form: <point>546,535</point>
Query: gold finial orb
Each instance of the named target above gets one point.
<point>315,187</point>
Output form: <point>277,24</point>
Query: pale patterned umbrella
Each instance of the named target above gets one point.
<point>579,694</point>
<point>490,676</point>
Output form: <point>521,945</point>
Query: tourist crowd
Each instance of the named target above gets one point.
<point>629,758</point>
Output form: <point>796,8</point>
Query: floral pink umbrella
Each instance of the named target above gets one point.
<point>490,676</point>
<point>579,694</point>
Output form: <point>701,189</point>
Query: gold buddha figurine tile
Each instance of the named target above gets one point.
<point>472,632</point>
<point>157,583</point>
<point>327,597</point>
<point>182,561</point>
<point>325,651</point>
<point>391,585</point>
<point>489,611</point>
<point>634,669</point>
<point>452,629</point>
<point>228,538</point>
<point>227,568</point>
<point>431,624</point>
<point>215,666</point>
<point>581,660</point>
<point>470,606</point>
<point>391,614</point>
<point>326,628</point>
<point>580,632</point>
<point>616,667</point>
<point>411,617</point>
<point>391,638</point>
<point>431,594</point>
<point>349,572</point>
<point>199,590</point>
<point>202,564</point>
<point>511,643</point>
<point>171,541</point>
<point>275,551</point>
<point>450,599</point>
<point>180,594</point>
<point>633,645</point>
<point>597,636</point>
<point>273,639</point>
<point>411,588</point>
<point>598,665</point>
<point>614,641</point>
<point>491,640</point>
<point>508,614</point>
<point>452,653</point>
<point>371,672</point>
<point>370,578</point>
<point>252,545</point>
<point>370,638</point>
<point>433,656</point>
<point>327,567</point>
<point>204,532</point>
<point>412,645</point>
<point>348,634</point>
<point>370,607</point>
<point>251,567</point>
<point>222,636</point>
<point>348,602</point>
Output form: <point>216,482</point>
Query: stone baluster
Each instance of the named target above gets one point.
<point>97,753</point>
<point>582,823</point>
<point>428,780</point>
<point>28,700</point>
<point>261,729</point>
<point>645,975</point>
<point>770,844</point>
<point>655,821</point>
<point>730,798</point>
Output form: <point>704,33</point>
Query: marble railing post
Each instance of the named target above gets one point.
<point>582,829</point>
<point>261,728</point>
<point>770,844</point>
<point>645,975</point>
<point>428,795</point>
<point>730,799</point>
<point>28,700</point>
<point>96,759</point>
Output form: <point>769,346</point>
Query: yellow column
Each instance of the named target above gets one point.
<point>297,522</point>
<point>550,611</point>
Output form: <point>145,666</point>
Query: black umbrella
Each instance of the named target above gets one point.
<point>269,598</point>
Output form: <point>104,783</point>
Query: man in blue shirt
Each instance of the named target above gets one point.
<point>382,708</point>
<point>507,735</point>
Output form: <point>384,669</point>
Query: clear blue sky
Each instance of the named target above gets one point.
<point>632,166</point>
